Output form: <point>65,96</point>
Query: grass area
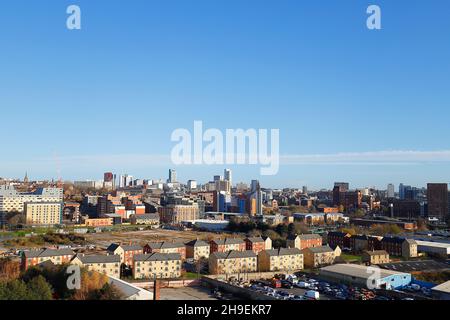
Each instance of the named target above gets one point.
<point>190,275</point>
<point>44,239</point>
<point>350,257</point>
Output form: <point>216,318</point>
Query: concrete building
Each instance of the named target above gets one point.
<point>375,257</point>
<point>130,291</point>
<point>43,213</point>
<point>126,252</point>
<point>106,264</point>
<point>437,196</point>
<point>437,249</point>
<point>442,291</point>
<point>149,219</point>
<point>13,201</point>
<point>197,249</point>
<point>282,259</point>
<point>233,262</point>
<point>362,276</point>
<point>34,257</point>
<point>157,266</point>
<point>175,214</point>
<point>318,256</point>
<point>304,241</point>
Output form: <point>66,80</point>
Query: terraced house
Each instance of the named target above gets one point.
<point>126,252</point>
<point>233,262</point>
<point>257,244</point>
<point>157,265</point>
<point>166,247</point>
<point>281,259</point>
<point>304,241</point>
<point>106,264</point>
<point>227,244</point>
<point>197,249</point>
<point>318,256</point>
<point>56,256</point>
<point>400,247</point>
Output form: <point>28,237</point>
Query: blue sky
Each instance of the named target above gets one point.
<point>108,97</point>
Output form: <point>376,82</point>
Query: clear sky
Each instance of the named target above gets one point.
<point>367,107</point>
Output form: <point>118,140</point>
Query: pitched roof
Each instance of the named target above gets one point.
<point>283,252</point>
<point>197,243</point>
<point>156,256</point>
<point>99,258</point>
<point>393,239</point>
<point>322,249</point>
<point>228,241</point>
<point>376,252</point>
<point>44,253</point>
<point>338,234</point>
<point>113,246</point>
<point>309,236</point>
<point>233,254</point>
<point>254,239</point>
<point>165,245</point>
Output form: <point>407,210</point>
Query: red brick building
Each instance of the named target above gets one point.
<point>227,244</point>
<point>256,244</point>
<point>340,239</point>
<point>56,256</point>
<point>166,247</point>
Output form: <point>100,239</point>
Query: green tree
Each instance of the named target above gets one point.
<point>39,289</point>
<point>14,290</point>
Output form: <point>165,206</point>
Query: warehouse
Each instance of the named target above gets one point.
<point>442,291</point>
<point>438,249</point>
<point>362,276</point>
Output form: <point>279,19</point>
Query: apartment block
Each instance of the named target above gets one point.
<point>157,266</point>
<point>287,260</point>
<point>232,262</point>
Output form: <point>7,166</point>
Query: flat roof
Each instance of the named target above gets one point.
<point>411,266</point>
<point>355,270</point>
<point>444,287</point>
<point>433,244</point>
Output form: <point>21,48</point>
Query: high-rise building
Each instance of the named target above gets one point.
<point>108,177</point>
<point>13,201</point>
<point>390,191</point>
<point>172,176</point>
<point>305,190</point>
<point>228,176</point>
<point>437,195</point>
<point>343,186</point>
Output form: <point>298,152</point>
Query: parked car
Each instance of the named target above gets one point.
<point>312,294</point>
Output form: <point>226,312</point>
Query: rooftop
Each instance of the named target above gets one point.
<point>359,271</point>
<point>156,256</point>
<point>234,254</point>
<point>444,287</point>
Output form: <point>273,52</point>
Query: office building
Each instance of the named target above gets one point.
<point>390,193</point>
<point>172,176</point>
<point>437,196</point>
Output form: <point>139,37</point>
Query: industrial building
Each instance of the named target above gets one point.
<point>442,291</point>
<point>438,249</point>
<point>363,276</point>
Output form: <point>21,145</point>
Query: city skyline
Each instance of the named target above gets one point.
<point>358,105</point>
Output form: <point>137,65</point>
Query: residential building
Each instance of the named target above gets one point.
<point>56,256</point>
<point>233,262</point>
<point>106,264</point>
<point>282,259</point>
<point>98,222</point>
<point>149,219</point>
<point>400,247</point>
<point>166,247</point>
<point>197,249</point>
<point>375,257</point>
<point>227,244</point>
<point>310,218</point>
<point>175,214</point>
<point>13,201</point>
<point>359,243</point>
<point>256,244</point>
<point>157,266</point>
<point>43,213</point>
<point>318,256</point>
<point>340,239</point>
<point>304,241</point>
<point>126,252</point>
